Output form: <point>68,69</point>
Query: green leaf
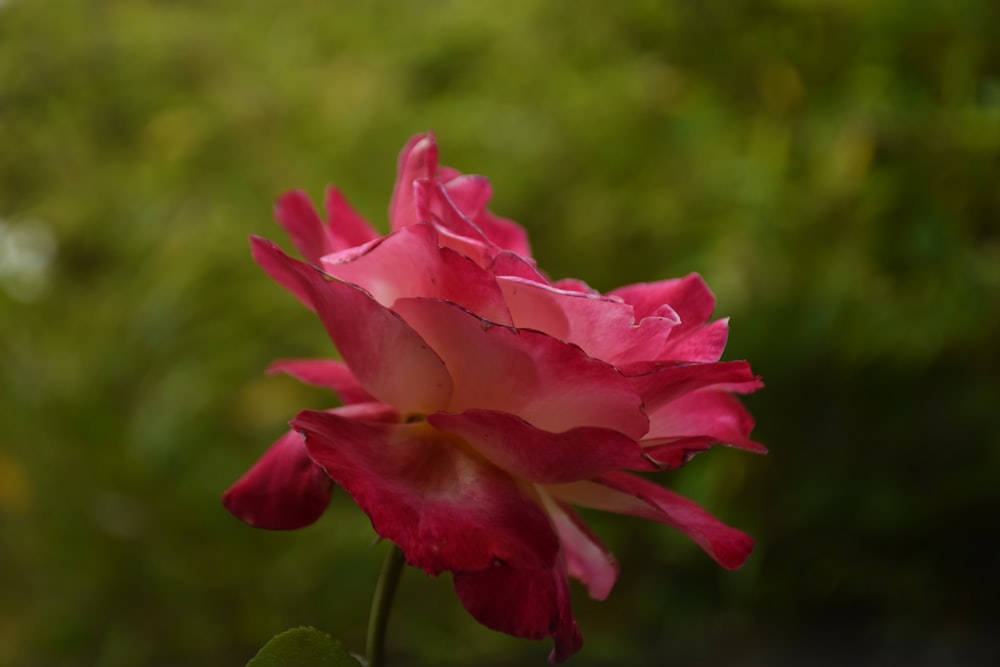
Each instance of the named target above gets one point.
<point>303,647</point>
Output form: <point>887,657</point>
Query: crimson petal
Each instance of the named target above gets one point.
<point>284,490</point>
<point>530,453</point>
<point>549,383</point>
<point>444,508</point>
<point>388,358</point>
<point>627,494</point>
<point>529,603</point>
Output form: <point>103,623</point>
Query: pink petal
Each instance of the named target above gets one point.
<point>471,194</point>
<point>587,559</point>
<point>551,384</point>
<point>604,328</point>
<point>326,373</point>
<point>661,383</point>
<point>419,160</point>
<point>410,263</point>
<point>715,414</point>
<point>273,260</point>
<point>506,263</point>
<point>433,205</point>
<point>529,603</point>
<point>296,213</point>
<point>530,453</point>
<point>284,490</point>
<point>690,298</point>
<point>445,509</point>
<point>388,358</point>
<point>626,494</point>
<point>347,228</point>
<point>693,302</point>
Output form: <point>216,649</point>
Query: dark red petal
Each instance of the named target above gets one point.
<point>388,358</point>
<point>539,456</point>
<point>627,494</point>
<point>326,373</point>
<point>553,385</point>
<point>444,508</point>
<point>529,603</point>
<point>284,490</point>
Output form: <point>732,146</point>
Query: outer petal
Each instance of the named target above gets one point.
<point>587,559</point>
<point>530,603</point>
<point>661,383</point>
<point>296,213</point>
<point>530,453</point>
<point>388,358</point>
<point>693,301</point>
<point>710,413</point>
<point>445,509</point>
<point>604,328</point>
<point>554,386</point>
<point>326,373</point>
<point>410,263</point>
<point>626,494</point>
<point>284,490</point>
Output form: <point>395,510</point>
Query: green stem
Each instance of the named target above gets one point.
<point>385,590</point>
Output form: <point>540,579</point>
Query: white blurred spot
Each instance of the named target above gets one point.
<point>26,252</point>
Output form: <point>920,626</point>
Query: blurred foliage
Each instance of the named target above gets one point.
<point>831,167</point>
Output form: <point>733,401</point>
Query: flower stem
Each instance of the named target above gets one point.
<point>385,590</point>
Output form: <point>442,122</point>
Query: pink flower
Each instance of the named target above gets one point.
<point>482,402</point>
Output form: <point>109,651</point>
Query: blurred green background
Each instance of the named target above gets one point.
<point>832,167</point>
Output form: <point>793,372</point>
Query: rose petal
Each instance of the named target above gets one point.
<point>388,358</point>
<point>661,383</point>
<point>604,328</point>
<point>587,559</point>
<point>530,603</point>
<point>551,384</point>
<point>445,509</point>
<point>284,490</point>
<point>326,373</point>
<point>626,494</point>
<point>539,456</point>
<point>710,413</point>
<point>471,194</point>
<point>410,263</point>
<point>693,302</point>
<point>419,160</point>
<point>296,213</point>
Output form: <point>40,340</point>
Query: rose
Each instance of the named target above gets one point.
<point>482,401</point>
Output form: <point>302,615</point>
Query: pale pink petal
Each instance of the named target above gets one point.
<point>710,413</point>
<point>604,328</point>
<point>627,494</point>
<point>661,383</point>
<point>388,358</point>
<point>530,453</point>
<point>284,490</point>
<point>587,559</point>
<point>529,603</point>
<point>410,263</point>
<point>326,373</point>
<point>445,509</point>
<point>551,384</point>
